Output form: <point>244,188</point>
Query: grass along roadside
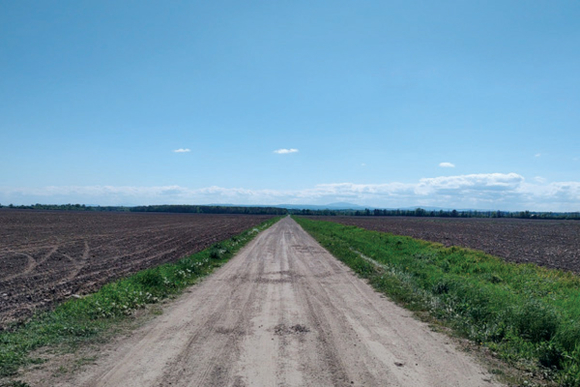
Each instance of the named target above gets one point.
<point>528,315</point>
<point>80,320</point>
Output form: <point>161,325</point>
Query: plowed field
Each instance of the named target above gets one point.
<point>550,243</point>
<point>46,256</point>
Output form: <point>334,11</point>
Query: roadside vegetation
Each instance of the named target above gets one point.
<point>80,320</point>
<point>528,315</point>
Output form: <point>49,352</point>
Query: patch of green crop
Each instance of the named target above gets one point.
<point>79,320</point>
<point>529,315</point>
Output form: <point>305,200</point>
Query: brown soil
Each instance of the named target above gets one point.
<point>47,256</point>
<point>550,243</point>
<point>283,312</point>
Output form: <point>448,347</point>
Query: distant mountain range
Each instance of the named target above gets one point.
<point>331,206</point>
<point>344,206</point>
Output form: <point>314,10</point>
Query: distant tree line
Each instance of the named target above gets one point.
<point>195,209</point>
<point>190,209</point>
<point>420,212</point>
<point>66,207</point>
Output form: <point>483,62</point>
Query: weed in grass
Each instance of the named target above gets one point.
<point>61,371</point>
<point>85,360</point>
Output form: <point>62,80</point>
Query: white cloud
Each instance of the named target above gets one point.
<point>537,155</point>
<point>482,181</point>
<point>182,150</point>
<point>446,165</point>
<point>286,151</point>
<point>505,191</point>
<point>540,179</point>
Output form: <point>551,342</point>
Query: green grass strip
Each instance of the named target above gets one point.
<point>529,315</point>
<point>79,320</point>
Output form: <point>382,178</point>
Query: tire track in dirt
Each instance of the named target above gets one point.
<point>80,263</point>
<point>283,312</point>
<point>30,264</point>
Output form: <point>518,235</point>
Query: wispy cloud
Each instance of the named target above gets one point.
<point>538,155</point>
<point>505,191</point>
<point>446,165</point>
<point>284,151</point>
<point>182,150</point>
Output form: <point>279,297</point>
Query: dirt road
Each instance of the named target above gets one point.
<point>284,312</point>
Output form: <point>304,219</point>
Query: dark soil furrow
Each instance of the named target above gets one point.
<point>47,256</point>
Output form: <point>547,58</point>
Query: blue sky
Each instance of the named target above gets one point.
<point>384,103</point>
